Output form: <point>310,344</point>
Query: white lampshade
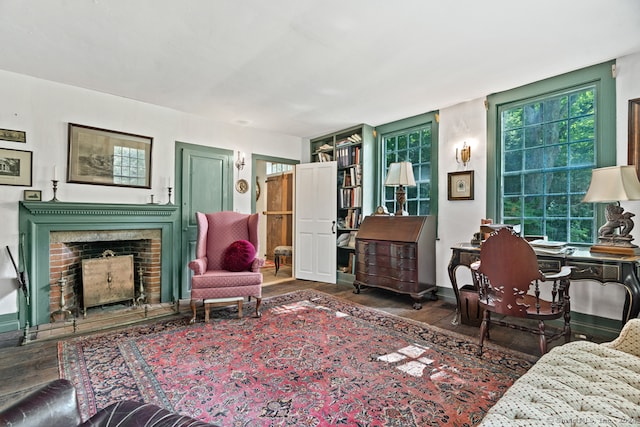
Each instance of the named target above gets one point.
<point>612,184</point>
<point>400,173</point>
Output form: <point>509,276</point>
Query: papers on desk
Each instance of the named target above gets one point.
<point>551,247</point>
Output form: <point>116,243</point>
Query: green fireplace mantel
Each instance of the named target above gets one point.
<point>38,219</point>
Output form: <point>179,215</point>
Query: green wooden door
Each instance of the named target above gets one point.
<point>204,180</point>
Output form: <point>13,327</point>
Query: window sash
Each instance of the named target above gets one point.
<point>411,145</point>
<point>600,78</point>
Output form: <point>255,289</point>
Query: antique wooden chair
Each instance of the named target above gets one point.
<point>226,266</point>
<point>510,284</point>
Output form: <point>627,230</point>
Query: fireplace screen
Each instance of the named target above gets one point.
<point>107,280</point>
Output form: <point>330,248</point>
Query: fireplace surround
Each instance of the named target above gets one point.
<point>38,220</point>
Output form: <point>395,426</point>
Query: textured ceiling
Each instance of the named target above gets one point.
<point>307,67</point>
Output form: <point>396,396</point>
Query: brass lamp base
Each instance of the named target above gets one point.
<point>400,199</point>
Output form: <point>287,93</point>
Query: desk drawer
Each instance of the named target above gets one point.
<point>389,262</point>
<point>390,249</point>
<point>407,273</point>
<point>600,272</point>
<point>468,258</point>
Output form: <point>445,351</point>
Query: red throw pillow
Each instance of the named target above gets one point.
<point>239,256</point>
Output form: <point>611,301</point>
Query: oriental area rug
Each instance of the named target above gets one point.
<point>311,360</point>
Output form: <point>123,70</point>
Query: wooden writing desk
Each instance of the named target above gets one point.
<point>599,267</point>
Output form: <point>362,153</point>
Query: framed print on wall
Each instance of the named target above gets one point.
<point>15,167</point>
<point>105,157</point>
<point>460,185</point>
<point>32,195</point>
<point>13,135</point>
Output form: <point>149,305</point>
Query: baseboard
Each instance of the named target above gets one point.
<point>581,324</point>
<point>9,322</point>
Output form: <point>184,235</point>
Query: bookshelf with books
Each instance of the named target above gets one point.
<point>353,150</point>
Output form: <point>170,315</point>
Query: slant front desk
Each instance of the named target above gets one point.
<point>599,267</point>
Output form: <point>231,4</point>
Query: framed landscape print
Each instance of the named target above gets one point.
<point>15,167</point>
<point>460,185</point>
<point>105,157</point>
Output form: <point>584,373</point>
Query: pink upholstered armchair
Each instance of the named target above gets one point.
<point>225,264</point>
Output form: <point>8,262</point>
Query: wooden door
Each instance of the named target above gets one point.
<point>316,211</point>
<point>279,212</point>
<point>204,180</point>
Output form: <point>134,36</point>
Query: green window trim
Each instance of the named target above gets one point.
<point>420,120</point>
<point>599,76</point>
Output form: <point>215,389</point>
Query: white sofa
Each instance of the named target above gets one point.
<point>577,384</point>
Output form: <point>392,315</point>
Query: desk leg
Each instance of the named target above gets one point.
<point>632,298</point>
<point>454,263</point>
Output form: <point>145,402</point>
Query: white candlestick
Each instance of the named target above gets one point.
<point>55,172</point>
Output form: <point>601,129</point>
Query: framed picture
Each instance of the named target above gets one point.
<point>634,134</point>
<point>460,185</point>
<point>15,167</point>
<point>32,195</point>
<point>105,157</point>
<point>13,135</point>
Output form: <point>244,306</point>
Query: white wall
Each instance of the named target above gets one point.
<point>43,109</point>
<point>458,220</point>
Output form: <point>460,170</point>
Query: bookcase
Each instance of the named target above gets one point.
<point>353,150</point>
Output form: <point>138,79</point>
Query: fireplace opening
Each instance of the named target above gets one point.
<point>68,250</point>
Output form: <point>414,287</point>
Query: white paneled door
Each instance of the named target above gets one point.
<point>315,221</point>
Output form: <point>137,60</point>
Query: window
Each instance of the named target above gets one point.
<point>416,144</point>
<point>546,144</point>
<point>129,165</point>
<point>275,168</point>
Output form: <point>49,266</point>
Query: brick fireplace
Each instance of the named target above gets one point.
<point>57,235</point>
<point>67,250</point>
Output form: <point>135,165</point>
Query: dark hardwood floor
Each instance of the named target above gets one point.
<point>24,368</point>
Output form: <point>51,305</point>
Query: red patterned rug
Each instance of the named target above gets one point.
<point>311,360</point>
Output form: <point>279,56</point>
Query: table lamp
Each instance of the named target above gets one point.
<point>611,185</point>
<point>400,174</point>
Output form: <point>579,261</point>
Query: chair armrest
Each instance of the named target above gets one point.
<point>629,338</point>
<point>256,264</point>
<point>199,266</point>
<point>54,404</point>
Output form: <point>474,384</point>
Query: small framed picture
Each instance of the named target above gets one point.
<point>15,167</point>
<point>460,185</point>
<point>13,135</point>
<point>32,195</point>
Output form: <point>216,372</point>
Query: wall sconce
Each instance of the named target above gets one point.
<point>465,154</point>
<point>240,161</point>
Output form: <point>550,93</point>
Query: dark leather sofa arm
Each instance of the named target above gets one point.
<point>55,404</point>
<point>135,414</point>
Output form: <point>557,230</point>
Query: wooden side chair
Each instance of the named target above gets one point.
<point>510,284</point>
